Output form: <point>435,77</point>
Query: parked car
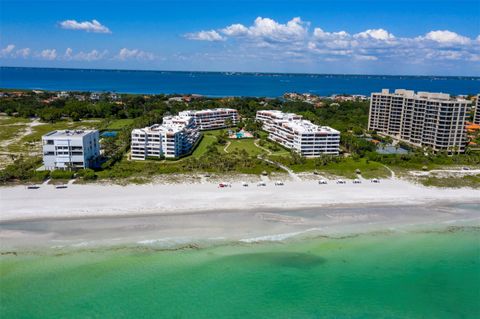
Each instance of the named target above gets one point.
<point>224,184</point>
<point>279,183</point>
<point>375,180</point>
<point>357,181</point>
<point>244,184</point>
<point>33,187</point>
<point>262,184</point>
<point>341,181</point>
<point>322,182</point>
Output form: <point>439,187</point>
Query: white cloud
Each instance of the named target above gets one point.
<point>23,53</point>
<point>446,37</point>
<point>127,54</point>
<point>211,35</point>
<point>93,55</point>
<point>235,30</point>
<point>269,30</point>
<point>48,54</point>
<point>10,52</point>
<point>5,52</point>
<point>377,34</point>
<point>293,40</point>
<point>88,26</point>
<point>318,33</point>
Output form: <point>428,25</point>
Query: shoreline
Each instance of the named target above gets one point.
<point>97,200</point>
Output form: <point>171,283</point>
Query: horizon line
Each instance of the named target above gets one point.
<point>238,72</point>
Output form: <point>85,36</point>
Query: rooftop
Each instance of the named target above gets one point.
<point>422,95</point>
<point>208,111</point>
<point>69,133</point>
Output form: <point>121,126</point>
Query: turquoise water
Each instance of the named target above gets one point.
<point>383,275</point>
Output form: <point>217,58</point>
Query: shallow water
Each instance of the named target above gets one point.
<point>415,274</point>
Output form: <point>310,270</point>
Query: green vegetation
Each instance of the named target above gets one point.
<point>60,174</point>
<point>21,170</point>
<point>455,182</point>
<point>21,137</point>
<point>119,124</point>
<point>330,165</point>
<point>247,145</point>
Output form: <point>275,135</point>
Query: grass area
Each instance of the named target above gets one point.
<point>346,167</point>
<point>247,145</point>
<point>9,120</point>
<point>203,145</point>
<point>455,182</point>
<point>31,142</point>
<point>144,171</point>
<point>8,132</point>
<point>116,125</point>
<point>38,131</point>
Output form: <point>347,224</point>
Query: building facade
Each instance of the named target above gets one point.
<point>75,149</point>
<point>423,119</point>
<point>476,117</point>
<point>173,138</point>
<point>302,136</point>
<point>211,119</point>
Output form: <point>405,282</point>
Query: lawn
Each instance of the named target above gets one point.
<point>244,144</point>
<point>116,125</point>
<point>201,149</point>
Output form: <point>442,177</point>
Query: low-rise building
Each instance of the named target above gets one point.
<point>211,119</point>
<point>424,119</point>
<point>302,136</point>
<point>173,138</point>
<point>71,149</point>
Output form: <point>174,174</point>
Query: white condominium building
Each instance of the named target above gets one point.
<point>302,136</point>
<point>213,118</point>
<point>174,138</point>
<point>74,149</point>
<point>476,117</point>
<point>423,119</point>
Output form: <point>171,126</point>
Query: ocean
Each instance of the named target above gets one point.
<point>417,274</point>
<point>225,83</point>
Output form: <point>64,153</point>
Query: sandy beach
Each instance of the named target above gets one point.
<point>95,200</point>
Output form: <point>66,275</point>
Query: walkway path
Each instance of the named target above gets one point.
<point>226,146</point>
<point>261,147</point>
<point>392,173</point>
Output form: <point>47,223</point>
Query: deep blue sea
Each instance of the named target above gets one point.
<point>225,83</point>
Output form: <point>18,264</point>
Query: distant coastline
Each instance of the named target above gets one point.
<point>226,83</point>
<point>477,77</point>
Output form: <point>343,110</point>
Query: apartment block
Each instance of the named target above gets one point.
<point>476,117</point>
<point>424,119</point>
<point>302,136</point>
<point>211,119</point>
<point>173,138</point>
<point>75,149</point>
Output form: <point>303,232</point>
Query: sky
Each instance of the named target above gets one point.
<point>434,37</point>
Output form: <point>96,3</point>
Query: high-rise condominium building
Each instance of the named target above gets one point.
<point>302,136</point>
<point>213,118</point>
<point>74,149</point>
<point>174,138</point>
<point>425,119</point>
<point>476,117</point>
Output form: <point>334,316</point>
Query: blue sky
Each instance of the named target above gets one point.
<point>375,37</point>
